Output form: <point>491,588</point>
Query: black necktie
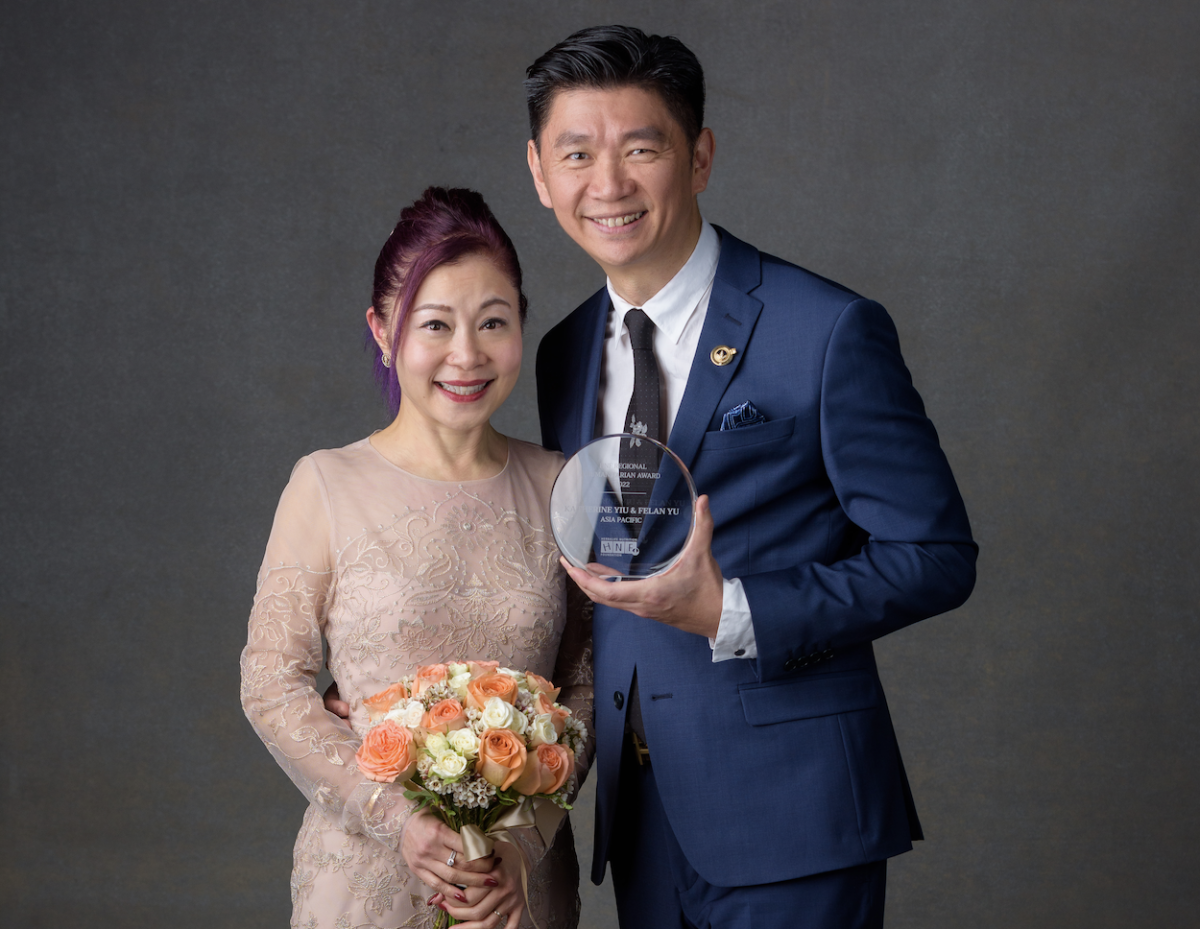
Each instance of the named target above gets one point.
<point>639,460</point>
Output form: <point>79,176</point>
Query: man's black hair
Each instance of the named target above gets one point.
<point>602,57</point>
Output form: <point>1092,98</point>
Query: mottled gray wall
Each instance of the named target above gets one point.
<point>191,199</point>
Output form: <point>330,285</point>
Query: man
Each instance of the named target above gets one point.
<point>748,774</point>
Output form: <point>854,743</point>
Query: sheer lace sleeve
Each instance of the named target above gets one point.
<point>573,672</point>
<point>281,661</point>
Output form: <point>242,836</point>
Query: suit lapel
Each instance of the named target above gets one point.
<point>580,425</point>
<point>732,314</point>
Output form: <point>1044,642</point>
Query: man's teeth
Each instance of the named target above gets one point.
<point>462,391</point>
<point>614,221</point>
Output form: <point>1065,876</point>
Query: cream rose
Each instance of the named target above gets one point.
<point>557,713</point>
<point>465,742</point>
<point>458,683</point>
<point>500,715</point>
<point>542,731</point>
<point>436,744</point>
<point>449,766</point>
<point>407,713</point>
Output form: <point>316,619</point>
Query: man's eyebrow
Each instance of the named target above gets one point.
<point>570,139</point>
<point>646,134</point>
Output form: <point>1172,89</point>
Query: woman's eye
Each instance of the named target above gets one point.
<point>494,324</point>
<point>433,325</point>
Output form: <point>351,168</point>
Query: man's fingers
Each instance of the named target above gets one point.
<point>334,703</point>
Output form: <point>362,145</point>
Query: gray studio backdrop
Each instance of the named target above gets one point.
<point>191,200</point>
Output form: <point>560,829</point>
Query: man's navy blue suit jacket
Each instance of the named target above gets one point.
<point>841,518</point>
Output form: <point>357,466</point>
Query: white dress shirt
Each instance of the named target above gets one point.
<point>678,312</point>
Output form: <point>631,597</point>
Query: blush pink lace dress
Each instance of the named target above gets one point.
<point>396,571</point>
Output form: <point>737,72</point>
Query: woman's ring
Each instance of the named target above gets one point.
<point>502,916</point>
<point>450,860</point>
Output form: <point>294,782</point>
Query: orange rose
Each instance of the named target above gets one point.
<point>558,714</point>
<point>546,770</point>
<point>539,685</point>
<point>445,716</point>
<point>379,704</point>
<point>480,668</point>
<point>388,753</point>
<point>482,689</point>
<point>427,676</point>
<point>501,757</point>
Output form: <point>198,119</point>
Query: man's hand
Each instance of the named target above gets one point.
<point>334,702</point>
<point>688,596</point>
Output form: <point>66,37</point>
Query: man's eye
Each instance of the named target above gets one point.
<point>576,156</point>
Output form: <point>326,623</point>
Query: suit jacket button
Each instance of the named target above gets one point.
<point>618,699</point>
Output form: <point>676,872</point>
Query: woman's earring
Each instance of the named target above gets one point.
<point>387,360</point>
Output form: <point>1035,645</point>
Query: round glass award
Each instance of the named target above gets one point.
<point>622,507</point>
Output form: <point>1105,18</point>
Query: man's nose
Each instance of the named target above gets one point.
<point>610,180</point>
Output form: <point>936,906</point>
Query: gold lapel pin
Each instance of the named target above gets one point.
<point>722,355</point>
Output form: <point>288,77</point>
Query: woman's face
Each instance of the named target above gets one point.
<point>460,352</point>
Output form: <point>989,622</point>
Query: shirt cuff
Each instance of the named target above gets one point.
<point>735,633</point>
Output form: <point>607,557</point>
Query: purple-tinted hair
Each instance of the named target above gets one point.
<point>443,226</point>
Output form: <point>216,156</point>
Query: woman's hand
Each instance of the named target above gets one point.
<point>498,906</point>
<point>427,845</point>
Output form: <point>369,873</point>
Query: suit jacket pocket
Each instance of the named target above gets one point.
<point>748,435</point>
<point>809,697</point>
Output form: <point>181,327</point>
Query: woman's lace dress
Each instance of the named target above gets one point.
<point>396,571</point>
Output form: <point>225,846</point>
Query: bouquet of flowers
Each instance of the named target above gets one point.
<point>484,747</point>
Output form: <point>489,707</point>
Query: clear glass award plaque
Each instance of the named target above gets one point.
<point>622,507</point>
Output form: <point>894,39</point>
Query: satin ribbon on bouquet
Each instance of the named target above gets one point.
<point>538,812</point>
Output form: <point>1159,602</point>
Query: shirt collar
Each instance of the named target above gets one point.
<point>672,307</point>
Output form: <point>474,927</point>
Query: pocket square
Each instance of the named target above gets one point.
<point>744,414</point>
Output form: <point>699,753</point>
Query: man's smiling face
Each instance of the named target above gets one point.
<point>616,168</point>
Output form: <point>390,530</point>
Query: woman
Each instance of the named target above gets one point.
<point>426,541</point>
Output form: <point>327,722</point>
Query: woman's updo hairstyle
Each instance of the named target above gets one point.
<point>443,226</point>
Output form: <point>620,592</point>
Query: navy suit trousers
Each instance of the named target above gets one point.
<point>656,888</point>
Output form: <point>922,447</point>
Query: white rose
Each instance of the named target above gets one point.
<point>455,668</point>
<point>518,676</point>
<point>542,732</point>
<point>465,742</point>
<point>500,715</point>
<point>436,744</point>
<point>458,683</point>
<point>449,766</point>
<point>411,714</point>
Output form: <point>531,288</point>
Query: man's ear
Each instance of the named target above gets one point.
<point>379,331</point>
<point>539,180</point>
<point>702,160</point>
